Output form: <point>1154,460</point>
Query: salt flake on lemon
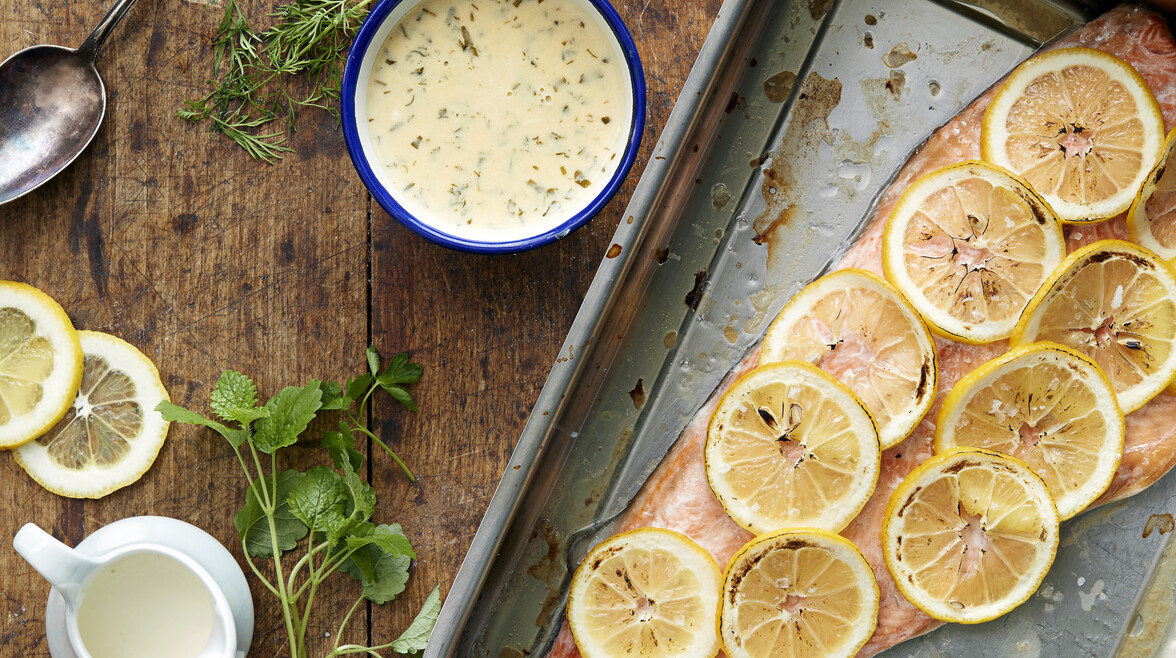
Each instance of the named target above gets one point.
<point>969,535</point>
<point>789,446</point>
<point>1115,302</point>
<point>1047,405</point>
<point>648,592</point>
<point>857,328</point>
<point>802,592</point>
<point>111,434</point>
<point>1081,126</point>
<point>40,363</point>
<point>969,245</point>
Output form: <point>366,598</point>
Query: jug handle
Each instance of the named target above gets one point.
<point>61,565</point>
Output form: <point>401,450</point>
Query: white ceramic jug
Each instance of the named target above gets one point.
<point>190,554</point>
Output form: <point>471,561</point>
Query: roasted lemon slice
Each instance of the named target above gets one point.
<point>40,363</point>
<point>647,592</point>
<point>968,245</point>
<point>1152,218</point>
<point>969,535</point>
<point>854,326</point>
<point>789,446</point>
<point>1115,302</point>
<point>802,592</point>
<point>112,434</point>
<point>1081,126</point>
<point>1050,407</point>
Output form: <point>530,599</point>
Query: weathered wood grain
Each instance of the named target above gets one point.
<point>206,260</point>
<point>487,330</point>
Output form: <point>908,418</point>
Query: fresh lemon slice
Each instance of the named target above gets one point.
<point>854,326</point>
<point>1081,126</point>
<point>111,434</point>
<point>1151,221</point>
<point>789,446</point>
<point>1050,407</point>
<point>968,245</point>
<point>802,592</point>
<point>40,363</point>
<point>969,535</point>
<point>647,592</point>
<point>1115,302</point>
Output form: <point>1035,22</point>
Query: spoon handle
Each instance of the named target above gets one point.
<point>89,48</point>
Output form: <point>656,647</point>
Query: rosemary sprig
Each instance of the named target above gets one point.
<point>260,80</point>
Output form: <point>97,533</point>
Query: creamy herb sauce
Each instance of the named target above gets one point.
<point>496,115</point>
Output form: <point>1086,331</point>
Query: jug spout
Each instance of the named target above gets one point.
<point>56,562</point>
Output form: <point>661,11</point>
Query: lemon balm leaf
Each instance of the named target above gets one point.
<point>319,498</point>
<point>234,397</point>
<point>289,413</point>
<point>332,396</point>
<point>253,525</point>
<point>172,412</point>
<point>383,575</point>
<point>416,636</point>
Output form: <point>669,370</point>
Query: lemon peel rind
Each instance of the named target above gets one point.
<point>939,321</point>
<point>61,384</point>
<point>1013,88</point>
<point>913,482</point>
<point>1028,326</point>
<point>649,537</point>
<point>899,427</point>
<point>801,372</point>
<point>841,547</point>
<point>120,355</point>
<point>1138,221</point>
<point>985,374</point>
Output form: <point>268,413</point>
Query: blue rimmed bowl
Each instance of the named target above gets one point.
<point>383,18</point>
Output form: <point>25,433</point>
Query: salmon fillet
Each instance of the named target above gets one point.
<point>677,495</point>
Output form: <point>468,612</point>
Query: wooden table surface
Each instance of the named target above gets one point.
<point>206,259</point>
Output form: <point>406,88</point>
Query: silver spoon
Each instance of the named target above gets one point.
<point>51,104</point>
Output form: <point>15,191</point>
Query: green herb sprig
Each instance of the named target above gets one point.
<point>323,515</point>
<point>253,100</point>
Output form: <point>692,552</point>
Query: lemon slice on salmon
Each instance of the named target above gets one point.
<point>854,326</point>
<point>112,433</point>
<point>40,363</point>
<point>1081,126</point>
<point>802,592</point>
<point>789,446</point>
<point>1151,221</point>
<point>1115,302</point>
<point>646,592</point>
<point>1050,407</point>
<point>969,535</point>
<point>969,245</point>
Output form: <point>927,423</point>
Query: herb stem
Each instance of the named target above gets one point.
<point>257,572</point>
<point>343,625</point>
<point>359,426</point>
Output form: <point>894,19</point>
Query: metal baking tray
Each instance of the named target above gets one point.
<point>795,116</point>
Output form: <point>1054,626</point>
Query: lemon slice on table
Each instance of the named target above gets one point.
<point>789,446</point>
<point>1115,302</point>
<point>1151,221</point>
<point>112,433</point>
<point>1081,126</point>
<point>802,592</point>
<point>968,245</point>
<point>40,363</point>
<point>854,326</point>
<point>969,535</point>
<point>646,592</point>
<point>1048,406</point>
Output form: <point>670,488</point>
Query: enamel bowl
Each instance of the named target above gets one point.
<point>356,76</point>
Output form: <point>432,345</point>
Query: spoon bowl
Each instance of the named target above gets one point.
<point>52,102</point>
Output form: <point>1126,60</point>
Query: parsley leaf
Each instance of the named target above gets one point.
<point>332,396</point>
<point>289,413</point>
<point>356,389</point>
<point>373,359</point>
<point>382,575</point>
<point>400,371</point>
<point>253,526</point>
<point>234,397</point>
<point>176,414</point>
<point>341,447</point>
<point>416,636</point>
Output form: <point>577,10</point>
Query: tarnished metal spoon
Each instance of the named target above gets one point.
<point>51,104</point>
